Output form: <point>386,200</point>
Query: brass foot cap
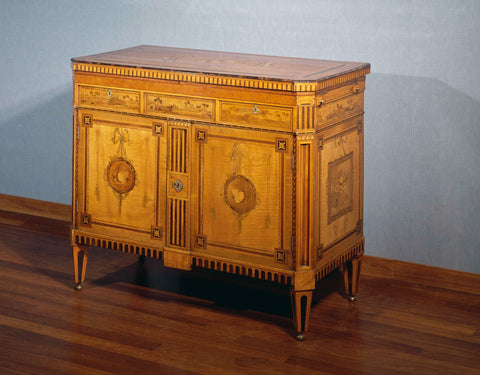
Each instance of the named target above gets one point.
<point>352,298</point>
<point>78,286</point>
<point>300,336</point>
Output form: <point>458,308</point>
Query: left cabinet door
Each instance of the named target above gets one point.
<point>119,177</point>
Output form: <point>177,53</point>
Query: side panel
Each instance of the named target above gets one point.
<point>339,185</point>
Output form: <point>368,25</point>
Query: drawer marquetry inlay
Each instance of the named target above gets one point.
<point>256,115</point>
<point>110,98</point>
<point>201,109</point>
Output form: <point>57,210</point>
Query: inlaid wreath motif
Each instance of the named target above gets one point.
<point>120,173</point>
<point>240,194</point>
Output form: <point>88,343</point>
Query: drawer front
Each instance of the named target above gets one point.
<point>182,106</point>
<point>329,96</point>
<point>256,115</point>
<point>339,110</point>
<point>109,98</point>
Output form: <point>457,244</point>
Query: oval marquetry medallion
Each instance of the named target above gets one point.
<point>240,194</point>
<point>121,175</point>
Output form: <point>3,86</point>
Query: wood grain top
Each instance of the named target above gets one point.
<point>224,63</point>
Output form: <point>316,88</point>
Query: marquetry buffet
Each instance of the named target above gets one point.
<point>246,164</point>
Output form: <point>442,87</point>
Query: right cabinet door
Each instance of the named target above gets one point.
<point>242,195</point>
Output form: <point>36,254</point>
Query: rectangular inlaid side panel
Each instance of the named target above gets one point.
<point>340,193</point>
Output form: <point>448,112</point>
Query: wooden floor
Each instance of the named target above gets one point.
<point>142,318</point>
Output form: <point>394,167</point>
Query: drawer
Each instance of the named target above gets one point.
<point>109,98</point>
<point>256,115</point>
<point>328,96</point>
<point>339,110</point>
<point>182,106</point>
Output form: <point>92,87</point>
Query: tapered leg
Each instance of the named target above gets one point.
<point>80,255</point>
<point>351,274</point>
<point>301,303</point>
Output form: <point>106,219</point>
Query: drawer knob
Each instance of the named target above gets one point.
<point>109,93</point>
<point>255,109</point>
<point>356,90</point>
<point>178,186</point>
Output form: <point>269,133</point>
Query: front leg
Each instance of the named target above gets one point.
<point>80,255</point>
<point>301,303</point>
<point>351,274</point>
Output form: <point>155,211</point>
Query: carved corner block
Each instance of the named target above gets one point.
<point>87,120</point>
<point>281,256</point>
<point>156,233</point>
<point>281,145</point>
<point>201,136</point>
<point>201,241</point>
<point>158,128</point>
<point>86,220</point>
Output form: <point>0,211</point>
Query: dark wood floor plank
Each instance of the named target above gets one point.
<point>29,363</point>
<point>94,354</point>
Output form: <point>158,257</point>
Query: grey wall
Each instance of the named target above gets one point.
<point>422,124</point>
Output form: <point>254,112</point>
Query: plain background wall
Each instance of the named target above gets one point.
<point>422,121</point>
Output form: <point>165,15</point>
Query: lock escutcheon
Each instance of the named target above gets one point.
<point>178,185</point>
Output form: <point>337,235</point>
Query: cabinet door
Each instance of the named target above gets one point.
<point>120,164</point>
<point>241,195</point>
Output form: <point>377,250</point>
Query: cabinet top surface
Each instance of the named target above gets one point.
<point>224,63</point>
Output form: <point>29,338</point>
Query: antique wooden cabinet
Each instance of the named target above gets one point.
<point>240,163</point>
